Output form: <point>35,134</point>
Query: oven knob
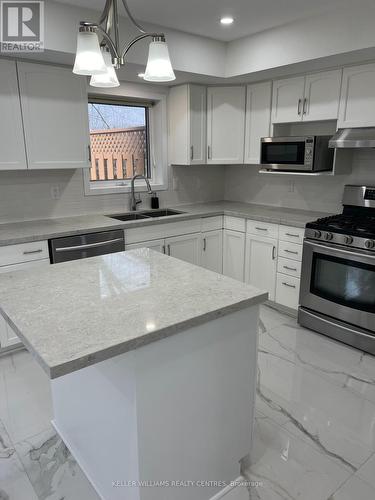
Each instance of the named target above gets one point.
<point>348,240</point>
<point>369,244</point>
<point>328,236</point>
<point>317,234</point>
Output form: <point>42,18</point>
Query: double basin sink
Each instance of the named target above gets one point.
<point>165,212</point>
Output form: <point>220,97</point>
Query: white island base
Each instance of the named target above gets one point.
<point>179,409</point>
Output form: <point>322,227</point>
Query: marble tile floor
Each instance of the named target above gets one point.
<point>314,436</point>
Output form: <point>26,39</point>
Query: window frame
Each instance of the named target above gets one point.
<point>157,137</point>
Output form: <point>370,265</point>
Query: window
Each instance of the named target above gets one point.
<point>119,137</point>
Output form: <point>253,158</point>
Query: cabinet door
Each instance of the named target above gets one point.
<point>198,124</point>
<point>55,114</point>
<point>157,245</point>
<point>261,263</point>
<point>186,247</point>
<point>322,96</point>
<point>357,103</point>
<point>287,99</point>
<point>225,125</point>
<point>234,254</point>
<point>258,117</point>
<point>212,250</point>
<point>13,155</point>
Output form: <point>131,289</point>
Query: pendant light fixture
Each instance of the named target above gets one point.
<point>101,59</point>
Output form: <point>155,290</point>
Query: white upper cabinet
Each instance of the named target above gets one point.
<point>258,119</point>
<point>307,98</point>
<point>13,155</point>
<point>322,96</point>
<point>225,125</point>
<point>55,115</point>
<point>187,113</point>
<point>287,99</point>
<point>357,104</point>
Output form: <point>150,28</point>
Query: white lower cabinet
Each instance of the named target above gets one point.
<point>287,290</point>
<point>212,250</point>
<point>185,247</point>
<point>8,255</point>
<point>234,254</point>
<point>261,263</point>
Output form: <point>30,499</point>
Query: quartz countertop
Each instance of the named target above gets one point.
<point>36,230</point>
<point>75,314</point>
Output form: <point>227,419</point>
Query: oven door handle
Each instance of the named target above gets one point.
<point>347,253</point>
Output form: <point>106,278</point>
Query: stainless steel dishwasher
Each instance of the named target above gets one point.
<point>86,245</point>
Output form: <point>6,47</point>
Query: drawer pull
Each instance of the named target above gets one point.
<point>29,252</point>
<point>287,284</point>
<point>261,228</point>
<point>291,251</point>
<point>290,268</point>
<point>293,235</point>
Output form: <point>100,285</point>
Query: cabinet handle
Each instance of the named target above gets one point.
<point>163,248</point>
<point>261,228</point>
<point>204,244</point>
<point>299,106</point>
<point>191,152</point>
<point>209,152</point>
<point>291,251</point>
<point>169,249</point>
<point>304,109</point>
<point>29,252</point>
<point>293,235</point>
<point>89,149</point>
<point>287,284</point>
<point>273,253</point>
<point>290,268</point>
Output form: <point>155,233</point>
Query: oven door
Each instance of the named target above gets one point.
<point>279,153</point>
<point>339,283</point>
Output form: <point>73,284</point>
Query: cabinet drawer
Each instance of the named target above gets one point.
<point>292,234</point>
<point>287,290</point>
<point>263,228</point>
<point>24,252</point>
<point>212,223</point>
<point>290,267</point>
<point>234,223</point>
<point>290,250</point>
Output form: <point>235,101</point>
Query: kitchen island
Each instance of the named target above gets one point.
<point>152,364</point>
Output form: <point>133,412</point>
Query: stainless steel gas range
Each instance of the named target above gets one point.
<point>337,295</point>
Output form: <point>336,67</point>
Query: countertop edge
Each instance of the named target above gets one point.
<point>79,363</point>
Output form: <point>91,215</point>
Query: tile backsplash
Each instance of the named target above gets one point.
<point>27,195</point>
<point>244,183</point>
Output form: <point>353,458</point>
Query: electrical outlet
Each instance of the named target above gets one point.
<point>175,183</point>
<point>55,192</point>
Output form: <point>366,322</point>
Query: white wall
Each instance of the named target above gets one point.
<point>311,193</point>
<point>27,195</point>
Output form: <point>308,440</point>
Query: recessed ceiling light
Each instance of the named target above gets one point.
<point>141,75</point>
<point>226,20</point>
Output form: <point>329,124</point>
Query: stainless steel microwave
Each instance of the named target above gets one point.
<point>301,154</point>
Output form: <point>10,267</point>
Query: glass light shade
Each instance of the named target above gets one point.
<point>89,58</point>
<point>108,79</point>
<point>159,67</point>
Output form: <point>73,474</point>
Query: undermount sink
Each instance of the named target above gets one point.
<point>126,217</point>
<point>164,212</point>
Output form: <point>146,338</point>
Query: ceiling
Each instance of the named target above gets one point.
<point>202,17</point>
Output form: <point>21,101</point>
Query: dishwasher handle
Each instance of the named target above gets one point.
<point>88,245</point>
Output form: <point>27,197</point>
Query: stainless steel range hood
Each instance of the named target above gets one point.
<point>353,138</point>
